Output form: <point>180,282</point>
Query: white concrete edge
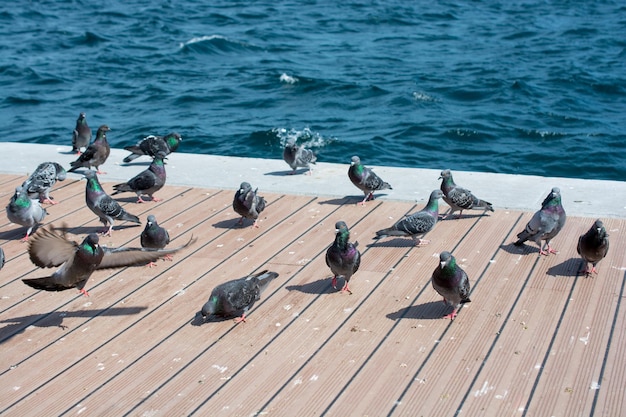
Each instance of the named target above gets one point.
<point>583,198</point>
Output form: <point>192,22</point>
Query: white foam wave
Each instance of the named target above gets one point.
<point>285,78</point>
<point>201,39</point>
<point>304,137</point>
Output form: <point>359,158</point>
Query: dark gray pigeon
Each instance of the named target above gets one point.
<point>146,182</point>
<point>342,257</point>
<point>459,198</point>
<point>150,145</point>
<point>451,282</point>
<point>103,205</point>
<point>49,249</point>
<point>248,204</point>
<point>235,298</point>
<point>297,156</point>
<point>593,246</point>
<point>40,182</point>
<point>545,223</point>
<point>96,153</point>
<point>365,179</point>
<point>416,224</point>
<point>154,237</point>
<point>81,136</point>
<point>24,211</point>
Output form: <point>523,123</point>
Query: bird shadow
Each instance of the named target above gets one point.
<point>133,199</point>
<point>85,230</point>
<point>519,250</point>
<point>463,216</point>
<point>321,286</point>
<point>338,201</point>
<point>429,311</point>
<point>569,268</point>
<point>287,173</point>
<point>18,325</point>
<point>233,224</point>
<point>393,243</point>
<point>70,152</point>
<point>15,234</point>
<point>138,163</point>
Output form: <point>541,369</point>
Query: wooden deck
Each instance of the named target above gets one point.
<point>538,339</point>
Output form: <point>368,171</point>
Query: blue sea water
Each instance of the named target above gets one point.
<point>529,87</point>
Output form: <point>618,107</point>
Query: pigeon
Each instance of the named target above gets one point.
<point>24,211</point>
<point>154,237</point>
<point>298,156</point>
<point>342,257</point>
<point>81,136</point>
<point>103,205</point>
<point>95,154</point>
<point>365,179</point>
<point>1,258</point>
<point>235,298</point>
<point>150,145</point>
<point>146,182</point>
<point>49,249</point>
<point>459,198</point>
<point>545,223</point>
<point>248,204</point>
<point>416,224</point>
<point>40,182</point>
<point>593,246</point>
<point>451,282</point>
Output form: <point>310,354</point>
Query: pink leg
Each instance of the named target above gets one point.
<point>240,319</point>
<point>84,292</point>
<point>346,288</point>
<point>451,316</point>
<point>334,282</point>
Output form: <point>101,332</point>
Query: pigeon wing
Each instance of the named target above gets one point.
<point>120,257</point>
<point>48,249</point>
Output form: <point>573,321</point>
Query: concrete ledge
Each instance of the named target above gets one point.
<point>585,198</point>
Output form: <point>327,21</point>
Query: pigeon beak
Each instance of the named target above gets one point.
<point>443,263</point>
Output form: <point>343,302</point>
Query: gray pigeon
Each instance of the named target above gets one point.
<point>545,223</point>
<point>459,198</point>
<point>81,136</point>
<point>298,156</point>
<point>416,224</point>
<point>103,205</point>
<point>24,211</point>
<point>152,144</point>
<point>248,204</point>
<point>96,153</point>
<point>146,182</point>
<point>451,282</point>
<point>1,258</point>
<point>593,246</point>
<point>365,179</point>
<point>342,257</point>
<point>154,237</point>
<point>49,249</point>
<point>235,298</point>
<point>39,184</point>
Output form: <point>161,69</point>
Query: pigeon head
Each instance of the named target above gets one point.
<point>355,160</point>
<point>446,259</point>
<point>210,307</point>
<point>445,174</point>
<point>91,243</point>
<point>173,140</point>
<point>151,220</point>
<point>553,198</point>
<point>244,187</point>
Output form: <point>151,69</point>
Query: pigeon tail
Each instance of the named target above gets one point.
<point>132,156</point>
<point>45,284</point>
